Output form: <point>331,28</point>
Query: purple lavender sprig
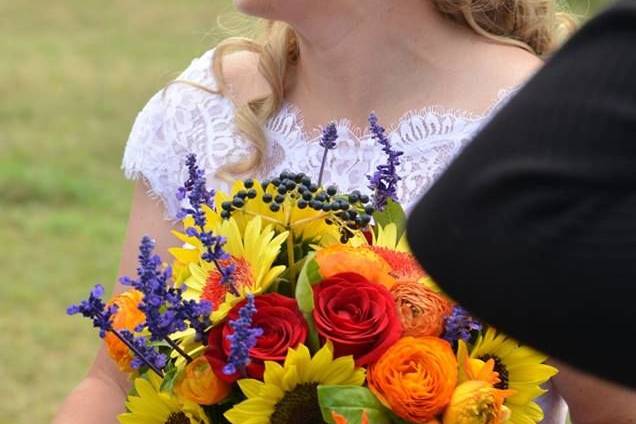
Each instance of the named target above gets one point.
<point>242,339</point>
<point>385,179</point>
<point>196,191</point>
<point>327,142</point>
<point>95,309</point>
<point>460,325</point>
<point>144,352</point>
<point>163,305</point>
<point>198,196</point>
<point>198,315</point>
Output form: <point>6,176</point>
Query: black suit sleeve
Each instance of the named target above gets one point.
<point>533,227</point>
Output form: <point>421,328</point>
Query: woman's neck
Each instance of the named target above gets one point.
<point>381,55</point>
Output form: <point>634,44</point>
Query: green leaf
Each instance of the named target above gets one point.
<point>351,402</point>
<point>392,213</point>
<point>170,377</point>
<point>309,275</point>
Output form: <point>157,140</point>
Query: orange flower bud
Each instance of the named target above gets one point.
<point>199,384</point>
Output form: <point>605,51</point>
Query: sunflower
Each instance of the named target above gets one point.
<point>288,394</point>
<point>519,368</point>
<point>152,406</point>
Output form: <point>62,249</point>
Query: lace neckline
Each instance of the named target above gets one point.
<point>294,120</point>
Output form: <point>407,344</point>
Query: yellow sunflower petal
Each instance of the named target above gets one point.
<point>250,387</point>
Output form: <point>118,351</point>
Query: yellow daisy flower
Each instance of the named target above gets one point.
<point>252,252</point>
<point>519,368</point>
<point>152,406</point>
<point>288,394</point>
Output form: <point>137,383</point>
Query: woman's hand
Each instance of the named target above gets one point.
<point>594,401</point>
<point>101,395</point>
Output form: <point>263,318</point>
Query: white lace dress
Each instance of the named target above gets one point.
<point>184,119</point>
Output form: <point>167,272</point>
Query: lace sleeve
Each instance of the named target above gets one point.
<point>177,121</point>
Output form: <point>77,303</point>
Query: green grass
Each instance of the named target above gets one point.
<point>73,75</point>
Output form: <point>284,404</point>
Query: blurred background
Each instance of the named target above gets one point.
<point>73,76</point>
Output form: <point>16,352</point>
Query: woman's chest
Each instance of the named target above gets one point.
<point>428,147</point>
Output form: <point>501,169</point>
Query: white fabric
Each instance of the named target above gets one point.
<point>183,119</point>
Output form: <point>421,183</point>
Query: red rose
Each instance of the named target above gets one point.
<point>283,327</point>
<point>359,317</point>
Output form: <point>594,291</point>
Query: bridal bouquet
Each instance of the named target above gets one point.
<point>291,302</point>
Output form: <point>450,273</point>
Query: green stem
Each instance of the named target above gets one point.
<point>310,219</point>
<point>322,166</point>
<point>265,218</point>
<point>291,261</point>
<point>180,351</point>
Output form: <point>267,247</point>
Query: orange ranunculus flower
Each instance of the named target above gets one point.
<point>199,384</point>
<point>338,259</point>
<point>415,378</point>
<point>422,312</point>
<point>477,402</point>
<point>127,317</point>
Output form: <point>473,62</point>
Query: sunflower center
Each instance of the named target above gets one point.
<point>500,368</point>
<point>178,418</point>
<point>298,406</point>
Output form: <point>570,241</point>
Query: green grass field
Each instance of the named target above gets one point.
<point>73,75</point>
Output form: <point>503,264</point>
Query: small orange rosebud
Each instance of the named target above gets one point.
<point>199,384</point>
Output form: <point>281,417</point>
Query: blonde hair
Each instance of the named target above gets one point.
<point>533,25</point>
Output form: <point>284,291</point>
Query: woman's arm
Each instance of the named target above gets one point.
<point>595,401</point>
<point>100,396</point>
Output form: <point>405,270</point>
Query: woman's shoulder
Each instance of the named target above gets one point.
<point>506,66</point>
<point>188,115</point>
<point>198,87</point>
<point>239,80</point>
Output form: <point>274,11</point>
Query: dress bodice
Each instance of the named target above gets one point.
<point>183,119</point>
